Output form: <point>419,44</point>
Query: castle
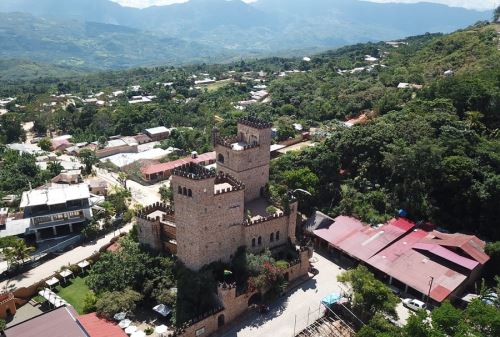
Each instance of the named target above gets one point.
<point>218,211</point>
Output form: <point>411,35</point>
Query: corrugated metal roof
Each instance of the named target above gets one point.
<point>54,194</point>
<point>447,255</point>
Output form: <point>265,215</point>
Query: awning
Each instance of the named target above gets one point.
<point>84,264</point>
<point>52,298</point>
<point>331,299</point>
<point>162,309</point>
<point>66,273</point>
<point>52,281</point>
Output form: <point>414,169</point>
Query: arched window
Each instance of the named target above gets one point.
<point>259,240</point>
<point>277,235</point>
<point>184,191</point>
<point>190,193</point>
<point>220,158</point>
<point>253,242</point>
<point>179,190</point>
<point>271,237</point>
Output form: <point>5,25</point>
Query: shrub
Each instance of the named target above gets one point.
<point>89,302</point>
<point>111,303</point>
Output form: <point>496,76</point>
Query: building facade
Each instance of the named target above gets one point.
<point>218,211</point>
<point>56,210</point>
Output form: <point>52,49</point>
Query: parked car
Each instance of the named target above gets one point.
<point>414,304</point>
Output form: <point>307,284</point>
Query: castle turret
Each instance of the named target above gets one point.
<point>209,211</point>
<point>246,156</point>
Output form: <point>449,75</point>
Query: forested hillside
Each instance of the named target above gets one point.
<point>433,151</point>
<point>101,34</point>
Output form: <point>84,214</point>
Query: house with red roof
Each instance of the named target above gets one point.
<point>65,322</point>
<point>419,262</point>
<point>162,171</point>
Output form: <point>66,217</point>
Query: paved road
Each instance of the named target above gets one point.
<point>141,194</point>
<point>292,312</point>
<point>71,257</point>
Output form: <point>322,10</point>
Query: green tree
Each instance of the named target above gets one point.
<point>54,167</point>
<point>88,158</point>
<point>18,253</point>
<point>369,295</point>
<point>10,129</point>
<point>110,303</point>
<point>45,144</point>
<point>166,194</point>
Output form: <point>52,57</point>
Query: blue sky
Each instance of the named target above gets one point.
<point>475,4</point>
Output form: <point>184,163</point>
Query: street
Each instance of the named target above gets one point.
<point>295,312</point>
<point>292,314</point>
<point>48,268</point>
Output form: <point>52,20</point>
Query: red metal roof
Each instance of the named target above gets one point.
<point>157,168</point>
<point>447,255</point>
<point>362,241</point>
<point>469,244</point>
<point>99,327</point>
<point>404,261</point>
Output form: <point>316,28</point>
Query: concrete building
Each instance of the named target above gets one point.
<point>158,133</point>
<point>56,210</point>
<point>216,212</point>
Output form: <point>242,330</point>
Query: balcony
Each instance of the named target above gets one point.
<point>57,220</point>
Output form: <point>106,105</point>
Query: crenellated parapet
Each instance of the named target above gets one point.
<point>194,172</point>
<point>254,122</point>
<point>222,178</point>
<point>158,206</point>
<point>233,143</point>
<point>264,219</point>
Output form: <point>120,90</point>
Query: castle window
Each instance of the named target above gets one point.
<point>271,237</point>
<point>277,235</point>
<point>184,191</point>
<point>253,242</point>
<point>259,241</point>
<point>220,158</point>
<point>190,193</point>
<point>179,190</point>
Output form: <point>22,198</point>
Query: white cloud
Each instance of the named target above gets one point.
<point>473,4</point>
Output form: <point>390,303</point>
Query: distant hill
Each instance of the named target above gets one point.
<point>93,45</point>
<point>102,34</point>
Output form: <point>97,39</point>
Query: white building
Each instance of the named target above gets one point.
<point>55,210</point>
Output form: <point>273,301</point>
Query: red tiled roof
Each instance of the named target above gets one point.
<point>99,327</point>
<point>152,169</point>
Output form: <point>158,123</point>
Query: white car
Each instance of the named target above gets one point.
<point>414,304</point>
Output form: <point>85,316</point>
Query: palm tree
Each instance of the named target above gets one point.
<point>19,251</point>
<point>122,178</point>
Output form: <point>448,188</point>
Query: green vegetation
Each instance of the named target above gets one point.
<point>75,293</point>
<point>369,296</point>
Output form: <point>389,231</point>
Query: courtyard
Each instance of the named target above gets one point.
<point>294,312</point>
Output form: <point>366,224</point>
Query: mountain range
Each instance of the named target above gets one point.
<point>102,34</point>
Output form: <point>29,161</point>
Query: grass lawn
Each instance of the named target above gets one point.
<point>74,293</point>
<point>217,85</point>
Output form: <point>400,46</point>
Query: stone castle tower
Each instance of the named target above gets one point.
<point>209,212</point>
<point>211,207</point>
<point>246,156</point>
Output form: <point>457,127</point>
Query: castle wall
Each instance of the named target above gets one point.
<point>148,233</point>
<point>264,230</point>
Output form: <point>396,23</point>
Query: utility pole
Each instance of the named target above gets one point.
<point>429,292</point>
